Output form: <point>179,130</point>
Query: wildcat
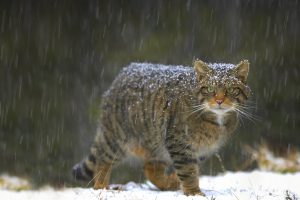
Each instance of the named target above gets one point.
<point>170,116</point>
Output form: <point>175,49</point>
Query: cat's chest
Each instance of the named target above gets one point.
<point>207,141</point>
<point>207,135</point>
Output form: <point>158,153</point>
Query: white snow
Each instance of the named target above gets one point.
<point>229,186</point>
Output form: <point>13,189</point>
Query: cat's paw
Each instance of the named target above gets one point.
<point>194,193</point>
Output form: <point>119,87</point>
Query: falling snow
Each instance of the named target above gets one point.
<point>58,57</point>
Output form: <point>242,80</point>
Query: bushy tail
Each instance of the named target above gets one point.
<point>85,169</point>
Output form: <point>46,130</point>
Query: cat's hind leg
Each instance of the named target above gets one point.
<point>102,176</point>
<point>108,150</point>
<point>161,176</point>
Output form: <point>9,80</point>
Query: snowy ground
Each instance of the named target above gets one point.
<point>254,185</point>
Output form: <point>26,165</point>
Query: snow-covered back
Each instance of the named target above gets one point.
<point>156,75</point>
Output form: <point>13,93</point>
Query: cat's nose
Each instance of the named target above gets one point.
<point>219,97</point>
<point>219,101</point>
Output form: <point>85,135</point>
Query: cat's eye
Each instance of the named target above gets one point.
<point>233,91</point>
<point>208,90</point>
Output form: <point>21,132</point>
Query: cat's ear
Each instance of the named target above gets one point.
<point>201,68</point>
<point>242,70</point>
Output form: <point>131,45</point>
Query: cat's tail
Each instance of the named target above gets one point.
<point>85,169</point>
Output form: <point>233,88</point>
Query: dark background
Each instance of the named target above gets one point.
<point>57,57</point>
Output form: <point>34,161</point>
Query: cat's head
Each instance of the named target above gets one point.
<point>223,87</point>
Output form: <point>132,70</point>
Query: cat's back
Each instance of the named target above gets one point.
<point>141,96</point>
<point>148,77</point>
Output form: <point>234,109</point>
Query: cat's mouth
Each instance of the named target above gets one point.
<point>220,109</point>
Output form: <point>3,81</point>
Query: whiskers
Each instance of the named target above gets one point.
<point>246,111</point>
<point>197,109</point>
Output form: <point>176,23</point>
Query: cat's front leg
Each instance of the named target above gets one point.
<point>188,176</point>
<point>186,168</point>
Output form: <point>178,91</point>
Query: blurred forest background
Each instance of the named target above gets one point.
<point>57,57</point>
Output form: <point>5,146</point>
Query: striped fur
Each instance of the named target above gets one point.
<point>167,115</point>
